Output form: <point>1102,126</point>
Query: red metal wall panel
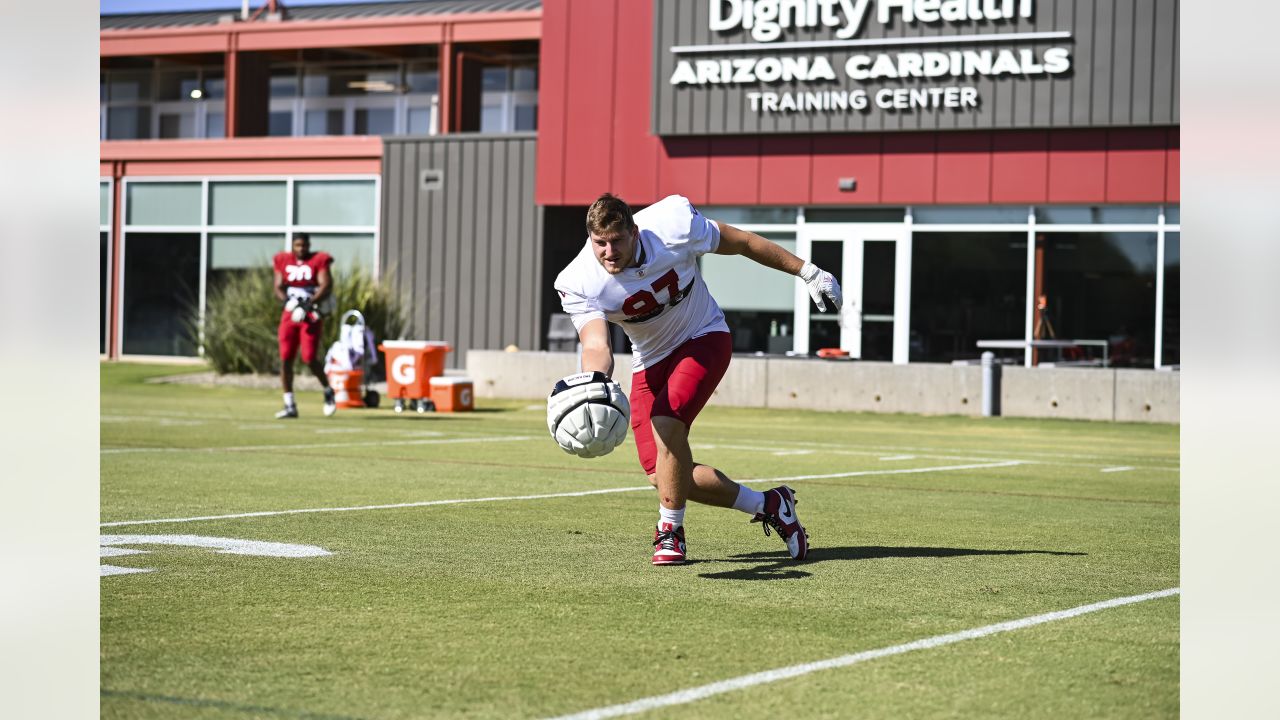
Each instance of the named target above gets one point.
<point>735,171</point>
<point>683,168</point>
<point>635,149</point>
<point>589,111</point>
<point>843,156</point>
<point>1173,177</point>
<point>786,170</point>
<point>964,168</point>
<point>1134,158</point>
<point>1078,166</point>
<point>552,63</point>
<point>1020,167</point>
<point>908,168</point>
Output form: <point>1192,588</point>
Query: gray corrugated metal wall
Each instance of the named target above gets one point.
<point>466,256</point>
<point>1124,71</point>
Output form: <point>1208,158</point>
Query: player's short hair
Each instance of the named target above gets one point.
<point>304,235</point>
<point>609,216</point>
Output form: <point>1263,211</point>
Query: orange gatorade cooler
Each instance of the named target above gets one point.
<point>346,388</point>
<point>410,366</point>
<point>453,394</point>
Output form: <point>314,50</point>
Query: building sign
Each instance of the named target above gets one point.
<point>763,66</point>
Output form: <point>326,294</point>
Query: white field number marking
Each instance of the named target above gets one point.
<point>108,546</point>
<point>768,676</point>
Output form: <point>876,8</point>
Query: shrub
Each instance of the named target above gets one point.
<point>242,315</point>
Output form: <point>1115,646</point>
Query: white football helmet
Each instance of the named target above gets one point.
<point>588,414</point>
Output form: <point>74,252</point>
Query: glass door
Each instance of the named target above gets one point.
<point>872,262</point>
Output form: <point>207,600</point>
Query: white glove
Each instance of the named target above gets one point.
<point>821,283</point>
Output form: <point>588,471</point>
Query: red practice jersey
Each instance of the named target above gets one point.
<point>301,277</point>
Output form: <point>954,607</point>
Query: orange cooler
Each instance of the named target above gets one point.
<point>411,364</point>
<point>346,388</point>
<point>453,394</point>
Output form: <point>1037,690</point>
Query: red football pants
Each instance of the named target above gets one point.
<point>676,387</point>
<point>295,335</point>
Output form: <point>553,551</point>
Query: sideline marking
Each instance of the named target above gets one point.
<point>739,683</point>
<point>547,496</point>
<point>1121,468</point>
<point>304,446</point>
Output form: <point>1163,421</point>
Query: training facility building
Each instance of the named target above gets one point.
<point>971,170</point>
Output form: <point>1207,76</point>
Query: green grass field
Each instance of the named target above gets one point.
<point>527,607</point>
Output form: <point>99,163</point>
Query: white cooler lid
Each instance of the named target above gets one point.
<point>450,380</point>
<point>413,344</point>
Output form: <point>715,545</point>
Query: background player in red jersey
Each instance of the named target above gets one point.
<point>641,272</point>
<point>302,282</point>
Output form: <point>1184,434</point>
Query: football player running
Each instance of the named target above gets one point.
<point>641,272</point>
<point>302,282</point>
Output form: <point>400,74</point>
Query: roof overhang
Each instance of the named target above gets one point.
<point>291,35</point>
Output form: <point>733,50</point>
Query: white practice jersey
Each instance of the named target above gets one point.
<point>660,303</point>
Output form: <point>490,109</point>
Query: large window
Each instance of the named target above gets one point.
<point>1100,286</point>
<point>183,238</point>
<point>165,100</point>
<point>1170,336</point>
<point>966,287</point>
<point>387,98</point>
<point>1096,271</point>
<point>104,264</point>
<point>509,97</point>
<point>161,291</point>
<point>757,301</point>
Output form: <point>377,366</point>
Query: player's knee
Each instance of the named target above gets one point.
<point>669,430</point>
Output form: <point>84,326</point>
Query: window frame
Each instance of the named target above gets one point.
<point>1031,227</point>
<point>204,229</point>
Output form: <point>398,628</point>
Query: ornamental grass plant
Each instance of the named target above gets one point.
<point>242,316</point>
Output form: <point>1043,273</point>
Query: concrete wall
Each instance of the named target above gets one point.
<point>1070,393</point>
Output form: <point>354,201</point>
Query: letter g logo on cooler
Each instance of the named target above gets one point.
<point>403,371</point>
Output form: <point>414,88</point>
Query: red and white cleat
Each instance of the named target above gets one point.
<point>668,545</point>
<point>780,514</point>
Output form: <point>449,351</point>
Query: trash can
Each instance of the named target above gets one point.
<point>453,394</point>
<point>410,366</point>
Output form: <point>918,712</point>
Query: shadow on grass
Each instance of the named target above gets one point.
<point>778,565</point>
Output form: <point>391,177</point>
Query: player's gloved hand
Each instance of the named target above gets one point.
<point>821,283</point>
<point>573,390</point>
<point>310,313</point>
<point>290,303</point>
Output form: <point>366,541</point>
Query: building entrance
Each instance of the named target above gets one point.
<point>872,261</point>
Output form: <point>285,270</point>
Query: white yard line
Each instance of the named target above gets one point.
<point>769,676</point>
<point>870,449</point>
<point>1121,468</point>
<point>461,501</point>
<point>910,471</point>
<point>425,503</point>
<point>829,449</point>
<point>303,446</point>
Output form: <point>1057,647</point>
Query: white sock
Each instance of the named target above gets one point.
<point>288,399</point>
<point>674,517</point>
<point>749,501</point>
